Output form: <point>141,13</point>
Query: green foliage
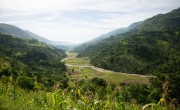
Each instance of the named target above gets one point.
<point>172,86</point>
<point>30,58</point>
<point>84,46</point>
<point>99,82</point>
<point>103,98</point>
<point>26,82</point>
<point>137,92</point>
<point>139,53</point>
<point>153,46</point>
<point>162,21</point>
<point>16,31</point>
<point>150,48</point>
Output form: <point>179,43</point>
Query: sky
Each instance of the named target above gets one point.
<point>78,21</point>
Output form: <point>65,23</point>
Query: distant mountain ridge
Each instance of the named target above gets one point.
<point>83,46</point>
<point>18,32</point>
<point>116,32</point>
<point>65,43</point>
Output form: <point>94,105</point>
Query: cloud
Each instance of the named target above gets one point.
<point>81,20</point>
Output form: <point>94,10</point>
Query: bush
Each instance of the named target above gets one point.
<point>99,82</point>
<point>138,92</point>
<point>26,82</point>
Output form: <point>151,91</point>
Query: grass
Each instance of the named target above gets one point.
<point>74,99</point>
<point>71,54</point>
<point>73,60</point>
<point>83,72</point>
<point>58,100</point>
<point>78,61</point>
<point>111,78</point>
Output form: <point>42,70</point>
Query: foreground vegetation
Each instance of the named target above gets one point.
<point>93,94</point>
<point>58,100</point>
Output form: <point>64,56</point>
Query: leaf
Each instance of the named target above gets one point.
<point>147,105</point>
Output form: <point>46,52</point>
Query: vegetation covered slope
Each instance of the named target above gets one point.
<point>84,46</point>
<point>161,21</point>
<point>31,59</point>
<point>153,46</point>
<point>16,31</point>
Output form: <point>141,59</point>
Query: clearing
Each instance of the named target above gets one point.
<point>80,68</point>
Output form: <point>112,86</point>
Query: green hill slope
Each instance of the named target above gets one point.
<point>83,46</point>
<point>16,31</point>
<point>31,58</point>
<point>161,21</point>
<point>152,46</point>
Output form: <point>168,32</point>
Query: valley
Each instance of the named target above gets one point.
<point>82,69</point>
<point>132,68</point>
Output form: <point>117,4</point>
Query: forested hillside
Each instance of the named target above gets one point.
<point>16,31</point>
<point>31,61</point>
<point>161,22</point>
<point>153,46</point>
<point>116,32</point>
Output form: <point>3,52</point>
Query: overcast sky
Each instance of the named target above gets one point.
<point>79,20</point>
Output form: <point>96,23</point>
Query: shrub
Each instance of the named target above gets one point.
<point>136,91</point>
<point>26,82</point>
<point>99,82</point>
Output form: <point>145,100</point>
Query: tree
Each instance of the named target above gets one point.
<point>26,82</point>
<point>99,82</point>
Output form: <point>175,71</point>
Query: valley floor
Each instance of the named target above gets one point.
<point>80,68</point>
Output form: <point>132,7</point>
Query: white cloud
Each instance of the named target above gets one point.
<point>81,20</point>
<point>36,5</point>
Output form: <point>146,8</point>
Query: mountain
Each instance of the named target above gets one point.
<point>31,58</point>
<point>105,36</point>
<point>161,21</point>
<point>150,47</point>
<point>116,32</point>
<point>66,44</point>
<point>16,31</point>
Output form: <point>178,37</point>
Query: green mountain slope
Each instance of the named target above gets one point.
<point>31,58</point>
<point>105,36</point>
<point>16,31</point>
<point>152,46</point>
<point>116,32</point>
<point>161,21</point>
